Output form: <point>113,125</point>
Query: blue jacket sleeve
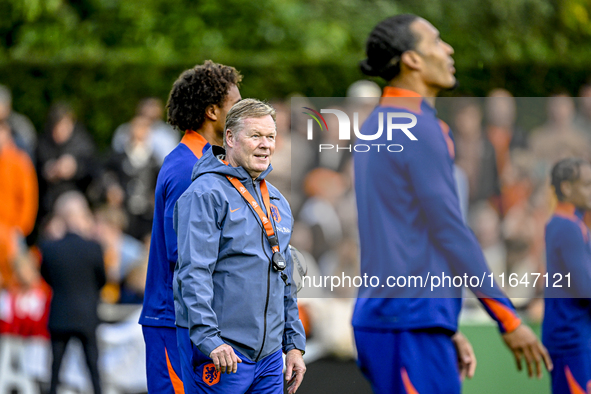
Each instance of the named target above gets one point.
<point>575,257</point>
<point>172,193</point>
<point>294,336</point>
<point>431,175</point>
<point>199,232</point>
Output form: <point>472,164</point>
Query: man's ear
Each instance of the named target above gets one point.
<point>411,59</point>
<point>211,112</point>
<point>566,188</point>
<point>229,138</point>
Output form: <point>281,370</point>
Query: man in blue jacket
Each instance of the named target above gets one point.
<point>234,289</point>
<point>410,225</point>
<point>566,330</point>
<point>198,103</point>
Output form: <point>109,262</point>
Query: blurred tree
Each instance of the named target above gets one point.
<point>265,32</point>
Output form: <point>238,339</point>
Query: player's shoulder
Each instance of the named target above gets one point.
<point>180,156</point>
<point>177,164</point>
<point>209,184</point>
<point>560,226</point>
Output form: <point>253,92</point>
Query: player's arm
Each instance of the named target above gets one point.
<point>198,227</point>
<point>294,336</point>
<point>433,181</point>
<point>171,191</point>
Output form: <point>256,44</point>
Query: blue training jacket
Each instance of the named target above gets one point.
<point>567,317</point>
<point>226,290</point>
<point>410,224</point>
<point>173,179</point>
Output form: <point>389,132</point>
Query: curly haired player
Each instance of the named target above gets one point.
<point>199,101</point>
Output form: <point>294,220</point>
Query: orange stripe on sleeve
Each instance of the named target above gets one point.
<point>504,314</point>
<point>177,383</point>
<point>408,387</point>
<point>573,386</point>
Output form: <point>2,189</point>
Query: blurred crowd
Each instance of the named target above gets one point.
<point>37,168</point>
<point>502,176</point>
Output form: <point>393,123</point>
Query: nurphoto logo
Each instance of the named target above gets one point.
<point>344,122</point>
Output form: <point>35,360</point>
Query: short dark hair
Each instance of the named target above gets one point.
<point>196,89</point>
<point>566,170</point>
<point>386,43</point>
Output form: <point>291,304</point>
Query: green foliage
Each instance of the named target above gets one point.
<point>265,32</point>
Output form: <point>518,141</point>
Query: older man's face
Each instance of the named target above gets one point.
<point>253,146</point>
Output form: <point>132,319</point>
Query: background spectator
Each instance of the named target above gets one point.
<point>474,152</point>
<point>162,138</point>
<point>23,130</point>
<point>73,266</point>
<point>122,251</point>
<point>135,171</point>
<point>18,201</point>
<point>559,137</point>
<point>65,156</point>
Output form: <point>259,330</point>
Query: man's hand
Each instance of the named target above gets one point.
<point>294,370</point>
<point>523,342</point>
<point>466,357</point>
<point>224,359</point>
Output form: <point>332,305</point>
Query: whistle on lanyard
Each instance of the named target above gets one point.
<point>278,260</point>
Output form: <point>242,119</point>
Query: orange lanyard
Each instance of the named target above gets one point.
<point>273,241</point>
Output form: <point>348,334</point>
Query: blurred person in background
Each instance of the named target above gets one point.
<point>303,155</point>
<point>18,201</point>
<point>23,131</point>
<point>486,224</point>
<point>362,97</point>
<point>135,171</point>
<point>559,137</point>
<point>281,175</point>
<point>332,159</point>
<point>122,251</point>
<point>501,130</point>
<point>323,187</point>
<point>583,117</point>
<point>133,284</point>
<point>507,139</point>
<point>567,318</point>
<point>410,222</point>
<point>162,138</point>
<point>64,155</point>
<point>198,103</point>
<point>475,154</point>
<point>74,268</point>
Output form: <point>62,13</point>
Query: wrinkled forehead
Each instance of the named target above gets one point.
<point>264,124</point>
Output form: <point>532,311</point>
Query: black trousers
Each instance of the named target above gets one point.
<point>59,340</point>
